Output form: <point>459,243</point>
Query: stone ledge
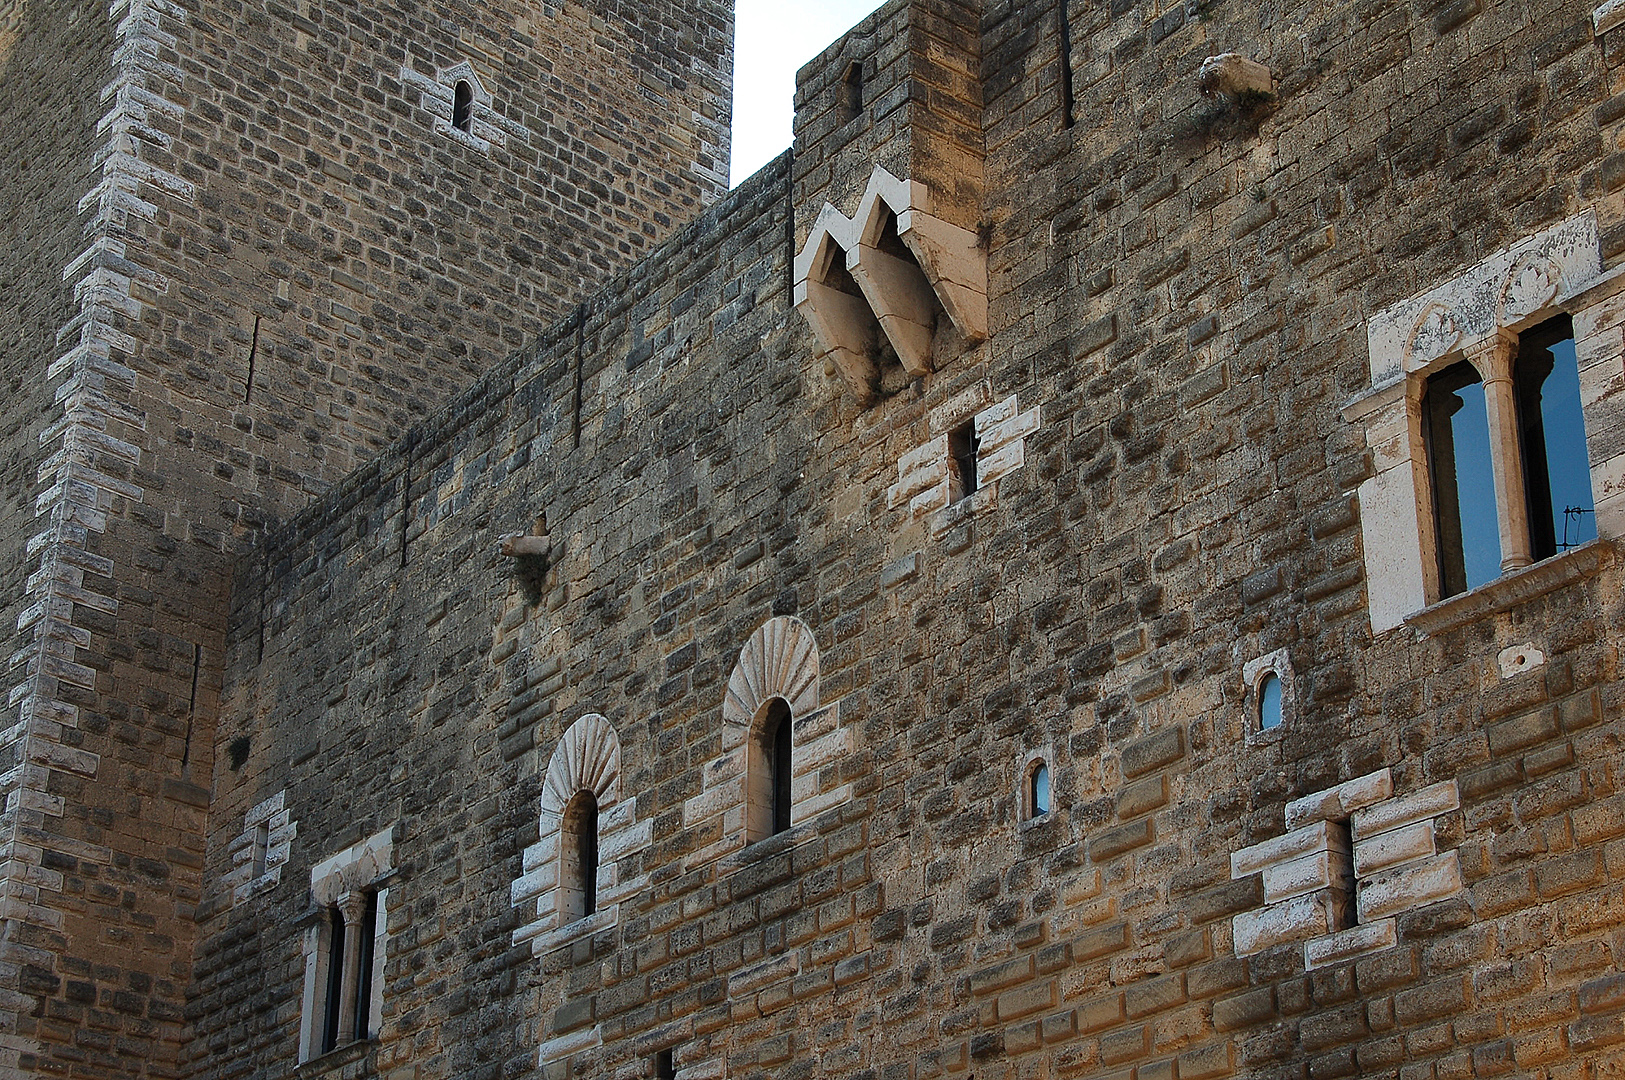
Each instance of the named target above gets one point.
<point>1517,587</point>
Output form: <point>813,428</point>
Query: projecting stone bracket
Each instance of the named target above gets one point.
<point>1234,75</point>
<point>888,291</point>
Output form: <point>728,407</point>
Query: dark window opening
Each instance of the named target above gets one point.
<point>335,980</point>
<point>665,1066</point>
<point>778,734</point>
<point>1038,790</point>
<point>1551,435</point>
<point>462,106</point>
<point>580,863</point>
<point>962,447</point>
<point>363,993</point>
<point>1456,427</point>
<point>1345,911</point>
<point>1065,20</point>
<point>262,849</point>
<point>851,91</point>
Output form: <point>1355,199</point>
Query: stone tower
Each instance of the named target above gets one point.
<point>249,244</point>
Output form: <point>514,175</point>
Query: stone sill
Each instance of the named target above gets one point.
<point>336,1059</point>
<point>1517,587</point>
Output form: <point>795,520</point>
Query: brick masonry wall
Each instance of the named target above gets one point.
<point>271,189</point>
<point>1181,293</point>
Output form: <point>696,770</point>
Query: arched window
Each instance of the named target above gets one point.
<point>767,810</point>
<point>578,866</point>
<point>1038,790</point>
<point>1270,705</point>
<point>462,106</point>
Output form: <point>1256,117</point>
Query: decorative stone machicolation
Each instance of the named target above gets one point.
<point>908,267</point>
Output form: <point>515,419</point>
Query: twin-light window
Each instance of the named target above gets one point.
<point>1506,446</point>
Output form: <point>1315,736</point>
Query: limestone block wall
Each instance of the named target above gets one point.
<point>1180,293</point>
<point>274,259</point>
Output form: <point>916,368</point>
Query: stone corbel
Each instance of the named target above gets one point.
<point>843,326</point>
<point>955,261</point>
<point>898,298</point>
<point>902,301</point>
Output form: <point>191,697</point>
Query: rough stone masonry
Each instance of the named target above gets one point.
<point>976,600</point>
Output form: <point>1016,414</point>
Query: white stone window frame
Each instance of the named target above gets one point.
<point>1476,316</point>
<point>1392,842</point>
<point>488,128</point>
<point>335,883</point>
<point>271,823</point>
<point>1253,672</point>
<point>925,475</point>
<point>779,660</point>
<point>587,758</point>
<point>898,299</point>
<point>1026,765</point>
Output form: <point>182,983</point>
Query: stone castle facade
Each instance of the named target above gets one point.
<point>1102,562</point>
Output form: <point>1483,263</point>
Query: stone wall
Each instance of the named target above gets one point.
<point>284,252</point>
<point>1417,875</point>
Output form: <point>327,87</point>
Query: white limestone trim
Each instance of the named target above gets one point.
<point>354,868</point>
<point>489,128</point>
<point>587,758</point>
<point>1608,14</point>
<point>565,1046</point>
<point>897,298</point>
<point>78,495</point>
<point>350,871</point>
<point>264,843</point>
<point>1396,867</point>
<point>1517,659</point>
<point>780,660</point>
<point>928,485</point>
<point>1556,270</point>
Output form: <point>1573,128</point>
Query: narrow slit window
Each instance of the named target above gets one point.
<point>1466,519</point>
<point>781,771</point>
<point>363,994</point>
<point>665,1066</point>
<point>262,849</point>
<point>579,865</point>
<point>331,1023</point>
<point>851,100</point>
<point>1038,790</point>
<point>769,765</point>
<point>1269,702</point>
<point>1345,912</point>
<point>462,106</point>
<point>962,449</point>
<point>1551,430</point>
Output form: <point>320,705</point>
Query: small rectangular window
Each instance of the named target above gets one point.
<point>665,1066</point>
<point>851,100</point>
<point>962,448</point>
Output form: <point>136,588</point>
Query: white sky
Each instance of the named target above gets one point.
<point>772,38</point>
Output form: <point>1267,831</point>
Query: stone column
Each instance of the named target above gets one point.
<point>1493,358</point>
<point>352,906</point>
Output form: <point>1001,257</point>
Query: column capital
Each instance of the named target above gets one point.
<point>1492,355</point>
<point>353,906</point>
